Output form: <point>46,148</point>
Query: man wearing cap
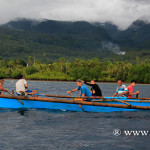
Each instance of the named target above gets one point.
<point>84,90</point>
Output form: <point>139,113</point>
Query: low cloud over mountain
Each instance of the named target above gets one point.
<point>119,12</point>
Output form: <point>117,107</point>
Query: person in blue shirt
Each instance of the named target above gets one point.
<point>84,90</point>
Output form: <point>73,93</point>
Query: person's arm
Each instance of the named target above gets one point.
<point>26,85</point>
<point>88,83</point>
<point>2,89</point>
<point>73,90</point>
<point>83,95</point>
<point>115,95</point>
<point>126,92</point>
<point>137,92</point>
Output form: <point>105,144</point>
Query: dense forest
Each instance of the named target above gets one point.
<point>70,70</point>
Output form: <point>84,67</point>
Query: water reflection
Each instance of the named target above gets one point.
<point>23,112</point>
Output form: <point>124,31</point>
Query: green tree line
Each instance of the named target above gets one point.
<point>70,70</point>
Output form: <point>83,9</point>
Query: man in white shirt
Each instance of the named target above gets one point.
<point>21,87</point>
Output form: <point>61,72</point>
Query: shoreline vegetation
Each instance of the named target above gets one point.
<point>70,70</point>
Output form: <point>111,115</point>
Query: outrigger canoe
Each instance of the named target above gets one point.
<point>98,104</point>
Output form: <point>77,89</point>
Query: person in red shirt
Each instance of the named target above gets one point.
<point>130,89</point>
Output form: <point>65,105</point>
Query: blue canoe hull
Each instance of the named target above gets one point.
<point>33,104</point>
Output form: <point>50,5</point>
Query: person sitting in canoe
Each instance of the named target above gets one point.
<point>84,90</point>
<point>95,90</point>
<point>22,87</point>
<point>130,89</point>
<point>121,89</point>
<point>2,89</point>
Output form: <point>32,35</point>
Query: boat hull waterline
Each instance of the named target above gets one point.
<point>16,102</point>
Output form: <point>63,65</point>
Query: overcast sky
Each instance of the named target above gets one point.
<point>119,12</point>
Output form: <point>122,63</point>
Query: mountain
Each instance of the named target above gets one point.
<point>50,39</point>
<point>51,27</point>
<point>111,28</point>
<point>136,36</point>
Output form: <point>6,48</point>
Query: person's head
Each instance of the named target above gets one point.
<point>119,82</point>
<point>92,82</point>
<point>1,80</point>
<point>133,83</point>
<point>79,82</point>
<point>20,76</point>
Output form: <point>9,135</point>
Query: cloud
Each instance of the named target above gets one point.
<point>119,12</point>
<point>112,47</point>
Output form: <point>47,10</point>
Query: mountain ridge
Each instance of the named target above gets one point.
<point>72,39</point>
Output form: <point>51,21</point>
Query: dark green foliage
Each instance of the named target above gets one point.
<point>15,74</point>
<point>31,70</point>
<point>2,74</point>
<point>80,69</point>
<point>80,73</point>
<point>141,73</point>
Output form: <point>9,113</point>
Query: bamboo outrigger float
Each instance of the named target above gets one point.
<point>71,103</point>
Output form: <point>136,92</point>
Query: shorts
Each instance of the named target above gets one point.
<point>23,94</point>
<point>88,99</point>
<point>29,91</point>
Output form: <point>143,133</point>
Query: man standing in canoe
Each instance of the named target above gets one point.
<point>130,89</point>
<point>22,86</point>
<point>2,89</point>
<point>84,90</point>
<point>121,89</point>
<point>95,90</point>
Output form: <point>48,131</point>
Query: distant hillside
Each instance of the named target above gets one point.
<point>48,40</point>
<point>136,36</point>
<point>79,28</point>
<point>52,39</point>
<point>110,28</point>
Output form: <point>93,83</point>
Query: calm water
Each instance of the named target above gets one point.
<point>50,130</point>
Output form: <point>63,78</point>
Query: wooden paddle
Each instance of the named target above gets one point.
<point>20,101</point>
<point>64,96</point>
<point>93,97</point>
<point>113,100</point>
